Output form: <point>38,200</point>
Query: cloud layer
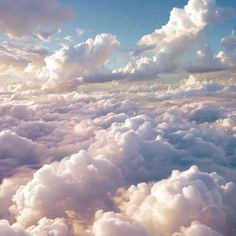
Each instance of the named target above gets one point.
<point>109,161</point>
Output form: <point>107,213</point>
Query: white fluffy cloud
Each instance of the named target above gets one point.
<point>56,227</point>
<point>146,67</point>
<point>71,65</point>
<point>197,229</point>
<point>11,230</point>
<point>184,26</point>
<point>110,223</point>
<point>80,183</point>
<point>132,144</point>
<point>9,187</point>
<point>174,39</point>
<point>177,201</point>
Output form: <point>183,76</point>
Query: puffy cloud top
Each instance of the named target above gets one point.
<point>172,40</point>
<point>80,183</point>
<point>121,184</point>
<point>73,64</point>
<point>183,25</point>
<point>179,201</point>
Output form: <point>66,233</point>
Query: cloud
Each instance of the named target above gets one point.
<point>229,42</point>
<point>194,86</point>
<point>146,67</point>
<point>7,230</point>
<point>17,151</point>
<point>174,39</point>
<point>50,226</point>
<point>9,62</point>
<point>120,158</point>
<point>34,129</point>
<point>159,52</point>
<point>184,25</point>
<point>45,17</point>
<point>20,61</point>
<point>197,229</point>
<point>207,62</point>
<point>80,183</point>
<point>161,206</point>
<point>69,38</point>
<point>205,114</point>
<point>44,227</point>
<point>9,187</point>
<point>80,31</point>
<point>121,182</point>
<point>110,223</point>
<point>70,65</point>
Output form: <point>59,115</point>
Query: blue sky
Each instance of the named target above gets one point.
<point>131,20</point>
<point>128,21</point>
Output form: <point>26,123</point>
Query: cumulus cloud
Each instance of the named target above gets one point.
<point>121,183</point>
<point>146,68</point>
<point>71,65</point>
<point>174,39</point>
<point>78,183</point>
<point>45,17</point>
<point>7,230</point>
<point>45,226</point>
<point>9,187</point>
<point>183,25</point>
<point>197,229</point>
<point>56,227</point>
<point>161,206</point>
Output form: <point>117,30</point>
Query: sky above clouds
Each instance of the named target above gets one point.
<point>117,118</point>
<point>133,19</point>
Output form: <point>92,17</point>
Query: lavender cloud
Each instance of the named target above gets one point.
<point>45,17</point>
